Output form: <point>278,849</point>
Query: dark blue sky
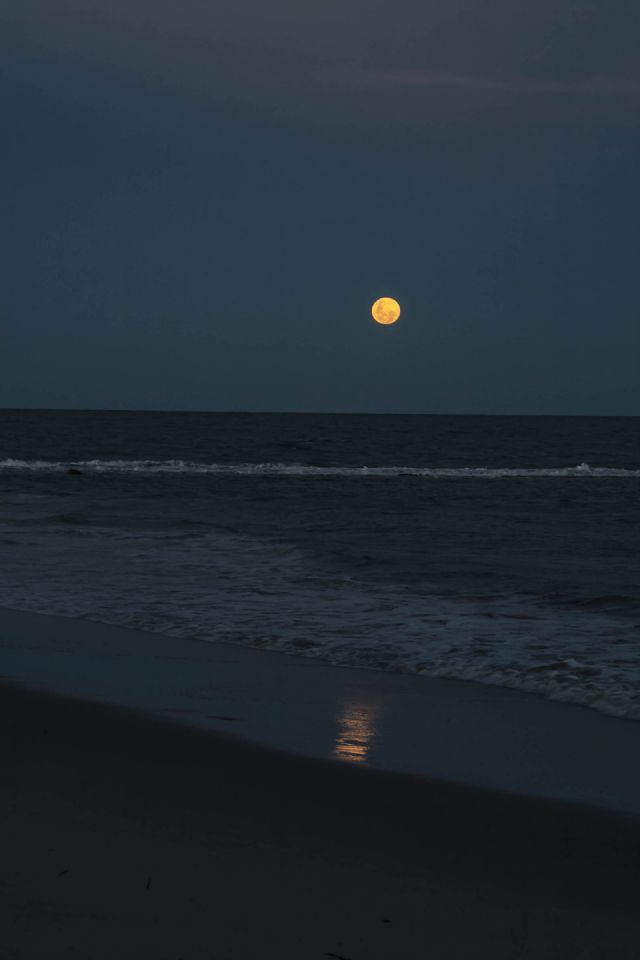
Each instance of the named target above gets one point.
<point>200,201</point>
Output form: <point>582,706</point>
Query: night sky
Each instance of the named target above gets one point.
<point>200,200</point>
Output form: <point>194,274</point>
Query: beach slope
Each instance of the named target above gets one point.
<point>131,837</point>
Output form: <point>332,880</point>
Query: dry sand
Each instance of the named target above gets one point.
<point>129,837</point>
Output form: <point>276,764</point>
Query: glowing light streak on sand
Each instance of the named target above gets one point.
<point>356,731</point>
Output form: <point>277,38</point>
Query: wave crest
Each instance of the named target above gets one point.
<point>308,470</point>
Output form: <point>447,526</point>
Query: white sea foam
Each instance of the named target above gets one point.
<point>307,470</point>
<point>218,586</point>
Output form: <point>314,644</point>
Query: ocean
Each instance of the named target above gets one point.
<point>500,550</point>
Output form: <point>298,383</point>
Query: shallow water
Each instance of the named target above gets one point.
<point>502,550</point>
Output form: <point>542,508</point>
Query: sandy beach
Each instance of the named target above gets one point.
<point>319,480</point>
<point>128,836</point>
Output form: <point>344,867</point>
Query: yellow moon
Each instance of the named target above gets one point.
<point>386,310</point>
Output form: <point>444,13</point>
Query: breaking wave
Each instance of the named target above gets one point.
<point>223,587</point>
<point>307,470</point>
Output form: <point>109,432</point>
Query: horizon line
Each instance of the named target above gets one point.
<point>314,413</point>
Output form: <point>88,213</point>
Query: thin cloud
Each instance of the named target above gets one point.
<point>425,79</point>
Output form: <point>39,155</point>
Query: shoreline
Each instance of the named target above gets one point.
<point>452,731</point>
<point>133,836</point>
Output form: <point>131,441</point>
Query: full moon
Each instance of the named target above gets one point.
<point>386,310</point>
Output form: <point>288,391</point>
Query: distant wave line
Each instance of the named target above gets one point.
<point>307,470</point>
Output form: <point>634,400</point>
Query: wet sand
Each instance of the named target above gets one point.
<point>459,732</point>
<point>128,836</point>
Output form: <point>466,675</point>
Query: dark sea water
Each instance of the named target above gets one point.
<point>498,549</point>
